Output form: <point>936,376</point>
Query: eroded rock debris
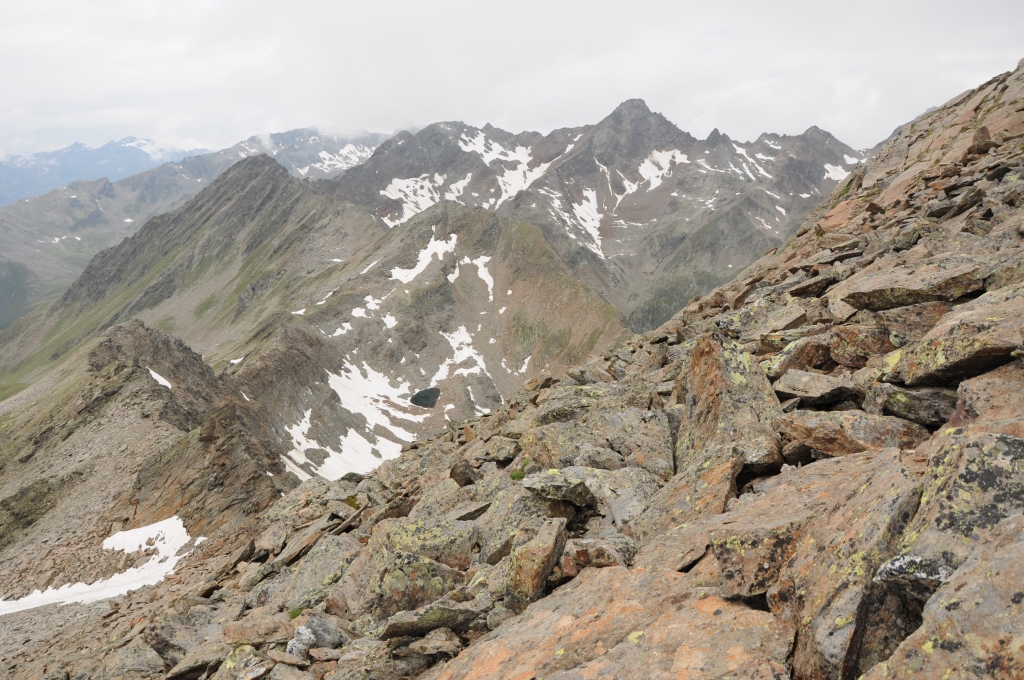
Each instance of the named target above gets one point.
<point>815,471</point>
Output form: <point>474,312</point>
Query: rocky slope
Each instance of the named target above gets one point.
<point>47,240</point>
<point>814,471</point>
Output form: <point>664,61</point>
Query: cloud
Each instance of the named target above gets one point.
<point>211,73</point>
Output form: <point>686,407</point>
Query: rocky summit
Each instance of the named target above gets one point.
<point>814,470</point>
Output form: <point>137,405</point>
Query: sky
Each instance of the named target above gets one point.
<point>210,73</point>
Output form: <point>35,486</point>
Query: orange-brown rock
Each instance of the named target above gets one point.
<point>840,433</point>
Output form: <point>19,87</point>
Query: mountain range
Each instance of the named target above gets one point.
<point>47,240</point>
<point>603,402</point>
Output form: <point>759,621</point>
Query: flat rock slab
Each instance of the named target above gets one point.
<point>812,388</point>
<point>840,433</point>
<point>617,623</point>
<point>971,340</point>
<point>942,278</point>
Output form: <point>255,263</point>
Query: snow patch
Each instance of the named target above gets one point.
<point>659,164</point>
<point>836,172</point>
<point>160,379</point>
<point>416,194</point>
<point>434,247</point>
<point>168,537</point>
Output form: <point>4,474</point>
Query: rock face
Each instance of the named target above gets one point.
<point>634,516</point>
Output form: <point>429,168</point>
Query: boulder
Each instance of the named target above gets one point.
<point>812,388</point>
<point>946,277</point>
<point>992,402</point>
<point>930,406</point>
<point>513,508</point>
<point>800,354</point>
<point>555,485</point>
<point>840,433</point>
<point>909,324</point>
<point>728,402</point>
<point>257,627</point>
<point>973,481</point>
<point>621,494</point>
<point>854,344</point>
<point>324,565</point>
<point>445,613</point>
<point>438,641</point>
<point>974,338</point>
<point>972,625</point>
<point>531,564</point>
<point>621,623</point>
<point>134,660</point>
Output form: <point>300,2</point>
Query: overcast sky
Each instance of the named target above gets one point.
<point>203,73</point>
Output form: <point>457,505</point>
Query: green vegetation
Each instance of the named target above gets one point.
<point>205,305</point>
<point>517,475</point>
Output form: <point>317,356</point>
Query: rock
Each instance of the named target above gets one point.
<point>202,659</point>
<point>367,659</point>
<point>531,564</point>
<point>812,388</point>
<point>324,565</point>
<point>328,631</point>
<point>1006,272</point>
<point>643,438</point>
<point>728,402</point>
<point>845,622</point>
<point>846,432</point>
<point>464,474</point>
<point>283,671</point>
<point>992,402</point>
<point>135,660</point>
<point>258,627</point>
<point>300,643</point>
<point>972,625</point>
<point>621,494</point>
<point>910,323</point>
<point>556,486</point>
<point>800,354</point>
<point>445,613</point>
<point>930,406</point>
<point>596,626</point>
<point>854,344</point>
<point>974,338</point>
<point>272,539</point>
<point>947,277</point>
<point>610,551</point>
<point>498,616</point>
<point>450,543</point>
<point>288,658</point>
<point>973,481</point>
<point>443,496</point>
<point>513,508</point>
<point>438,641</point>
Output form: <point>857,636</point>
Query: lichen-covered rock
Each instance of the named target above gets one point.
<point>973,481</point>
<point>555,485</point>
<point>854,344</point>
<point>911,323</point>
<point>972,339</point>
<point>531,563</point>
<point>972,625</point>
<point>445,613</point>
<point>840,433</point>
<point>134,661</point>
<point>826,589</point>
<point>620,623</point>
<point>941,278</point>
<point>259,626</point>
<point>728,402</point>
<point>323,566</point>
<point>512,509</point>
<point>930,406</point>
<point>800,354</point>
<point>407,581</point>
<point>438,641</point>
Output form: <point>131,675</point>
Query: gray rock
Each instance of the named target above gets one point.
<point>812,388</point>
<point>555,485</point>
<point>931,406</point>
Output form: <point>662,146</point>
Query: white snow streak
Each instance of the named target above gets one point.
<point>160,379</point>
<point>659,164</point>
<point>168,537</point>
<point>836,172</point>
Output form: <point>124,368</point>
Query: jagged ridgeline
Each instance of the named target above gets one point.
<point>48,232</point>
<point>811,471</point>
